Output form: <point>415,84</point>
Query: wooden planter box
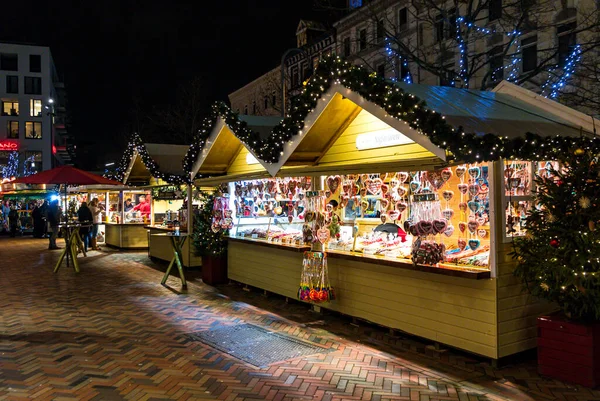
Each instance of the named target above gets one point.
<point>569,351</point>
<point>214,269</point>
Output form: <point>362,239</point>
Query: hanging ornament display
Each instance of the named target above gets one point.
<point>314,281</point>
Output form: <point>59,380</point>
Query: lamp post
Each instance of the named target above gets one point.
<point>283,58</point>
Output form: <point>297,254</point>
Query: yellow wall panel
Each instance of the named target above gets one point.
<point>239,164</point>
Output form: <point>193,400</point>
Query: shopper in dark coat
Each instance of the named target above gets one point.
<point>38,222</point>
<point>13,221</point>
<point>84,215</point>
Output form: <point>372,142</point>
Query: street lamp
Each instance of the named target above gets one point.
<point>283,58</point>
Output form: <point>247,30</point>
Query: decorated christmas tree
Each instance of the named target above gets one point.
<point>207,239</point>
<point>559,258</point>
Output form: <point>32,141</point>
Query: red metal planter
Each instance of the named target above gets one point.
<point>214,269</point>
<point>569,351</point>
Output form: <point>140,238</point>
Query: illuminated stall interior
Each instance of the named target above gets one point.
<point>421,245</point>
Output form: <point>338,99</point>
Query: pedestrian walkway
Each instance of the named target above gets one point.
<point>112,332</point>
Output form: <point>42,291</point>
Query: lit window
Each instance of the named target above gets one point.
<point>33,130</point>
<point>12,129</point>
<point>35,108</point>
<point>10,108</point>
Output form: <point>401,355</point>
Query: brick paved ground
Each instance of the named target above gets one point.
<point>113,332</point>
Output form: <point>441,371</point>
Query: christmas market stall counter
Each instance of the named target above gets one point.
<point>416,237</point>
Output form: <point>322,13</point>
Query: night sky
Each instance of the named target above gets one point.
<point>112,52</point>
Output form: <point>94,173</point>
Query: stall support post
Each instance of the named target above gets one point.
<point>190,217</point>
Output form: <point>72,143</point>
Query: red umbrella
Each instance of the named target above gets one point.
<point>66,175</point>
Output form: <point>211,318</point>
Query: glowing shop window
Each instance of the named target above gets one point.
<point>35,108</point>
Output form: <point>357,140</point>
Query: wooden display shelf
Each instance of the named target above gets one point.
<point>458,271</point>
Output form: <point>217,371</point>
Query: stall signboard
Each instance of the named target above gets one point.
<point>9,145</point>
<point>381,139</point>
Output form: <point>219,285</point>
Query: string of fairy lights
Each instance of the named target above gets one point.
<point>461,146</point>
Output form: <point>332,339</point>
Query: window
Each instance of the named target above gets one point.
<point>362,39</point>
<point>380,30</point>
<point>447,76</point>
<point>305,72</point>
<point>35,108</point>
<point>33,85</point>
<point>346,47</point>
<point>35,63</point>
<point>266,102</point>
<point>12,84</point>
<point>529,46</point>
<point>253,108</point>
<point>421,34</point>
<point>246,109</point>
<point>497,64</point>
<point>451,31</point>
<point>402,19</point>
<point>381,70</point>
<point>9,62</point>
<point>567,39</point>
<point>10,108</point>
<point>439,28</point>
<point>273,99</point>
<point>33,130</point>
<point>12,129</point>
<point>295,77</point>
<point>33,161</point>
<point>494,9</point>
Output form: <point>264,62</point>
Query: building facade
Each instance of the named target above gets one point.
<point>536,44</point>
<point>263,96</point>
<point>30,107</point>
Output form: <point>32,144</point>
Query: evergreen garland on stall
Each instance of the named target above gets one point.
<point>238,127</point>
<point>136,144</point>
<point>206,241</point>
<point>461,146</point>
<point>559,258</point>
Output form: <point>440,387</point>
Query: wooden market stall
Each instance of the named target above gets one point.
<point>380,170</point>
<point>149,167</point>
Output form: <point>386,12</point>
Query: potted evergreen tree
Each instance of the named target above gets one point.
<point>559,261</point>
<point>210,244</point>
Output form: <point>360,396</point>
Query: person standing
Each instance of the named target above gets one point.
<point>96,219</point>
<point>38,222</point>
<point>84,215</point>
<point>128,205</point>
<point>143,207</point>
<point>44,214</point>
<point>53,217</point>
<point>13,221</point>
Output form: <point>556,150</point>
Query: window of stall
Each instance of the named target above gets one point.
<point>517,195</point>
<point>114,213</point>
<point>136,206</point>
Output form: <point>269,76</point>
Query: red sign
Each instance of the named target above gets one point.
<point>8,145</point>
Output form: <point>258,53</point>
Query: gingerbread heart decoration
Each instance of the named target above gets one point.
<point>474,244</point>
<point>474,172</point>
<point>310,216</point>
<point>354,189</point>
<point>463,206</point>
<point>384,190</point>
<point>473,206</point>
<point>292,185</point>
<point>394,182</point>
<point>514,182</point>
<point>484,188</point>
<point>462,244</point>
<point>290,218</point>
<point>323,235</point>
<point>447,195</point>
<point>473,225</point>
<point>460,171</point>
<point>508,172</point>
<point>333,182</point>
<point>425,227</point>
<point>403,176</point>
<point>383,204</point>
<point>383,218</point>
<point>482,233</point>
<point>393,214</point>
<point>401,206</point>
<point>402,191</point>
<point>473,189</point>
<point>344,201</point>
<point>374,186</point>
<point>327,193</point>
<point>364,205</point>
<point>364,177</point>
<point>463,188</point>
<point>462,226</point>
<point>439,226</point>
<point>414,186</point>
<point>346,188</point>
<point>448,213</point>
<point>446,174</point>
<point>435,179</point>
<point>449,230</point>
<point>215,227</point>
<point>481,220</point>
